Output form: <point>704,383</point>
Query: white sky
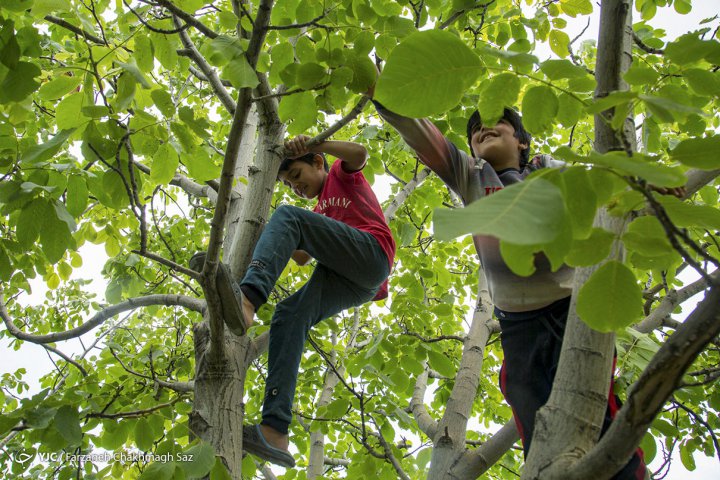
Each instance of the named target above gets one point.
<point>34,359</point>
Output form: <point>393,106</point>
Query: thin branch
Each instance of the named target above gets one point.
<point>99,318</point>
<point>403,194</point>
<point>705,424</point>
<point>194,54</point>
<point>79,31</point>
<point>340,123</point>
<point>188,18</point>
<point>668,304</point>
<point>391,457</point>
<point>66,358</point>
<point>135,413</point>
<point>311,23</point>
<point>646,48</point>
<point>169,263</point>
<point>155,29</point>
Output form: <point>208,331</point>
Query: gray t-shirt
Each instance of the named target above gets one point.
<point>473,179</point>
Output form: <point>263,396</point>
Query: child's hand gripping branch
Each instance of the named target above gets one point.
<point>347,235</point>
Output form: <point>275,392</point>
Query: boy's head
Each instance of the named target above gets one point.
<point>502,144</point>
<point>305,175</point>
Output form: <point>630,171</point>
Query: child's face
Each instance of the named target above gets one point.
<point>305,180</point>
<point>497,145</point>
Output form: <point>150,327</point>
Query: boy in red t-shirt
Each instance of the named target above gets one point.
<point>348,236</point>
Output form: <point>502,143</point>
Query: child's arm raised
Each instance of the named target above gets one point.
<point>352,154</point>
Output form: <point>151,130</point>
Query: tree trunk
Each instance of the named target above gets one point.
<point>218,409</point>
<point>568,426</point>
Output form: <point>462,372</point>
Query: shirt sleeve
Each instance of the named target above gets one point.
<point>434,150</point>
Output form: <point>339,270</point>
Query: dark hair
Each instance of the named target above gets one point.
<point>513,118</point>
<point>307,158</point>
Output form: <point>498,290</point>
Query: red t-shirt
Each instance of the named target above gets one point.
<point>348,198</point>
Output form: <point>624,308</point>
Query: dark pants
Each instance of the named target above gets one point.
<point>531,343</point>
<point>351,268</point>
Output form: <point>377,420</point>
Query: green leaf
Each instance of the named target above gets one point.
<point>44,151</point>
<point>685,215</point>
<point>698,152</point>
<point>165,163</point>
<point>690,49</point>
<point>220,472</point>
<point>55,239</point>
<point>144,436</point>
<point>125,92</point>
<point>240,73</point>
<point>519,258</point>
<point>68,114</point>
<point>6,271</point>
<point>611,299</point>
<point>570,110</point>
<point>639,165</point>
<point>442,364</point>
<point>580,200</point>
<point>300,109</point>
<point>427,73</point>
<point>559,69</point>
<point>67,422</point>
<point>641,75</point>
<point>32,217</point>
<point>590,251</point>
<point>559,42</point>
<point>703,82</point>
<point>310,75</point>
<point>64,216</point>
<point>572,8</point>
<point>200,165</point>
<point>201,460</point>
<point>497,93</point>
<point>143,52</point>
<point>164,102</point>
<point>132,68</point>
<point>58,87</point>
<point>646,236</point>
<point>364,71</point>
<point>19,82</point>
<point>686,456</point>
<point>526,213</point>
<point>539,108</point>
<point>158,471</point>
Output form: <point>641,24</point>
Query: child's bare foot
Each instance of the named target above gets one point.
<point>275,438</point>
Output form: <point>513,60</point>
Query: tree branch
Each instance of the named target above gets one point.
<point>100,317</point>
<point>475,462</point>
<point>403,194</point>
<point>699,178</point>
<point>66,358</point>
<point>655,385</point>
<point>188,18</point>
<point>668,304</point>
<point>76,30</point>
<point>226,182</point>
<point>134,413</point>
<point>340,123</point>
<point>426,423</point>
<point>194,54</point>
<point>644,47</point>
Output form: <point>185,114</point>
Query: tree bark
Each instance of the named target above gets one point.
<point>569,424</point>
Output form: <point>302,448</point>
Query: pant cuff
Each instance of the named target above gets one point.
<point>254,295</point>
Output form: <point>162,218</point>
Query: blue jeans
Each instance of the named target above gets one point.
<point>350,269</point>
